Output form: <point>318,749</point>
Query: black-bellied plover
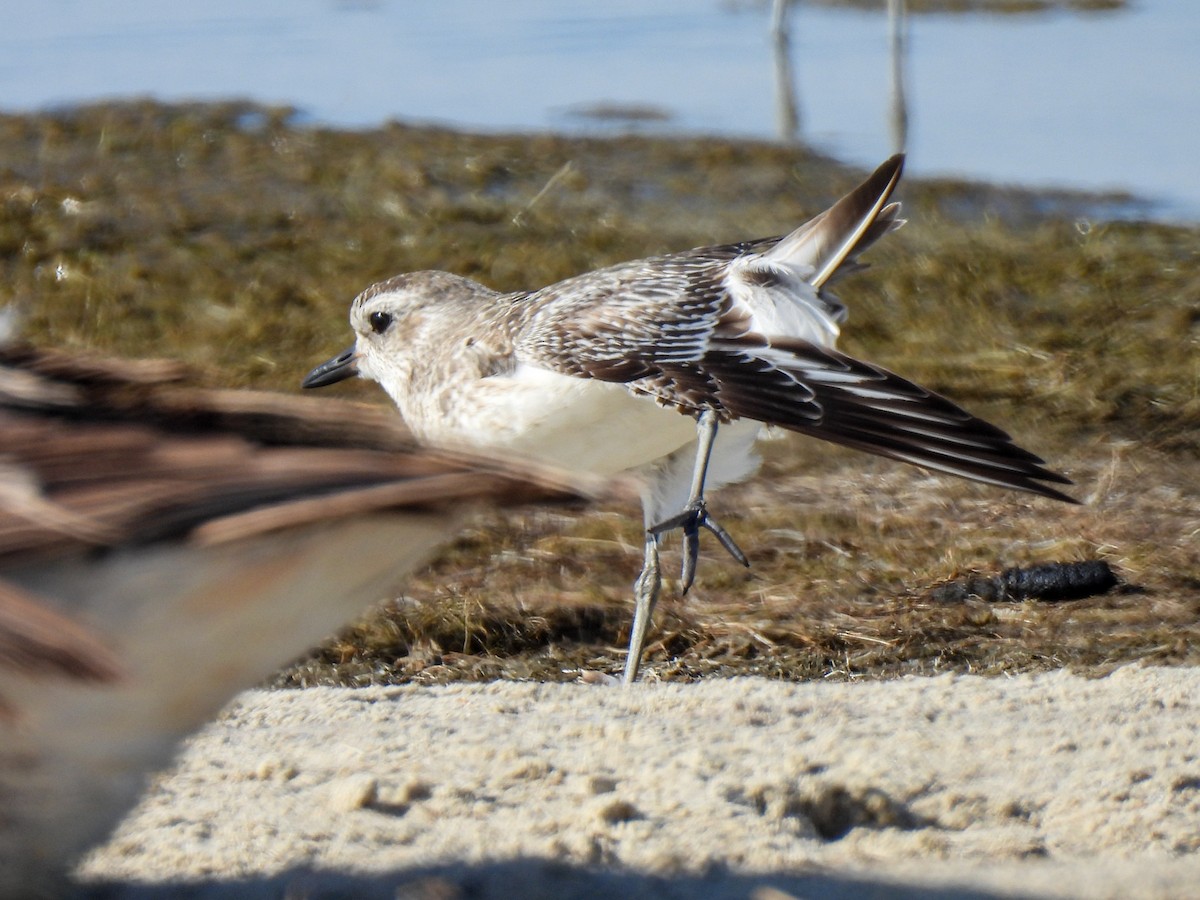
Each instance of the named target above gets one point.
<point>635,366</point>
<point>162,547</point>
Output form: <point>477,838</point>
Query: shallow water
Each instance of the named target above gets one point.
<point>1089,100</point>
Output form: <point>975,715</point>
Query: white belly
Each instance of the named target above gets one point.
<point>574,423</point>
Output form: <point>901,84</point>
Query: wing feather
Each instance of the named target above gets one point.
<point>742,329</point>
<point>826,394</point>
<point>825,243</point>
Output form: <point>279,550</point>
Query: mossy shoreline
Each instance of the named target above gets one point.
<point>226,236</point>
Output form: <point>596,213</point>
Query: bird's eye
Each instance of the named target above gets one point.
<point>380,321</point>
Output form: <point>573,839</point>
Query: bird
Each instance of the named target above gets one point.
<point>669,368</point>
<point>163,546</point>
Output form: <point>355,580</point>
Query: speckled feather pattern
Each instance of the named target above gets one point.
<point>744,329</point>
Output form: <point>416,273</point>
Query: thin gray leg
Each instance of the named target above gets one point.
<point>645,596</point>
<point>695,515</point>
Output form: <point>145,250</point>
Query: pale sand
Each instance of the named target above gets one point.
<point>1049,785</point>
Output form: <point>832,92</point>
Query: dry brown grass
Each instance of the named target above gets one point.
<point>227,237</point>
<point>844,553</point>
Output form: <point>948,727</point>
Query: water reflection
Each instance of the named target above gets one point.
<point>898,48</point>
<point>787,106</point>
<point>1060,98</point>
<point>787,103</point>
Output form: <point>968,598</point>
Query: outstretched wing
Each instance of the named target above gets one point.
<point>687,343</point>
<point>623,323</point>
<point>746,330</point>
<point>824,393</point>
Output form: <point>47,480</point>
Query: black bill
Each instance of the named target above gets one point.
<point>341,367</point>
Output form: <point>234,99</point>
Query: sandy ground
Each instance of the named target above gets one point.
<point>1048,785</point>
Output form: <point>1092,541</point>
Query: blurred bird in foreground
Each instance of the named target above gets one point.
<point>162,547</point>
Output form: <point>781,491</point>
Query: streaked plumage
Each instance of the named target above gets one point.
<point>162,547</point>
<point>592,373</point>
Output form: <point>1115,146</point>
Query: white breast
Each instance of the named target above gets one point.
<point>578,424</point>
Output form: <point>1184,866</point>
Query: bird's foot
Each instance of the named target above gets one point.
<point>694,517</point>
